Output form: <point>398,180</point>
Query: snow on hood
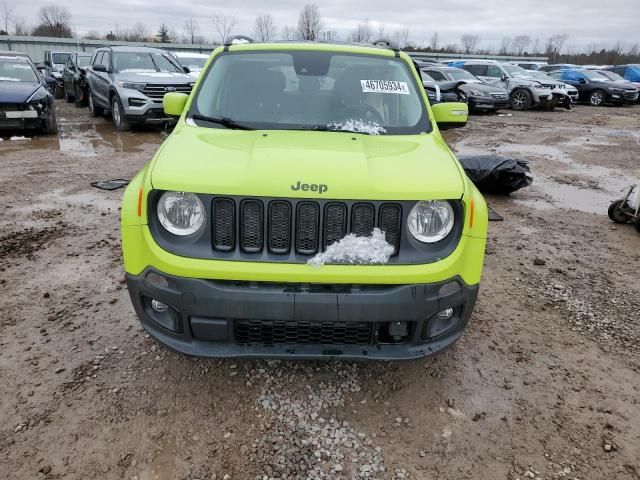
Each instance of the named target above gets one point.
<point>358,126</point>
<point>354,250</point>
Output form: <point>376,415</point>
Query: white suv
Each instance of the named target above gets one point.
<point>524,91</point>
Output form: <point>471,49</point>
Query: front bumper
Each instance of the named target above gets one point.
<point>210,318</point>
<point>488,103</point>
<point>138,108</point>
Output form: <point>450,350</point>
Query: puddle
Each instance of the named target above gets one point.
<point>608,184</point>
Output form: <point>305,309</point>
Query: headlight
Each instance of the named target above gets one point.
<point>614,89</point>
<point>180,213</point>
<point>476,93</point>
<point>132,85</point>
<point>430,221</point>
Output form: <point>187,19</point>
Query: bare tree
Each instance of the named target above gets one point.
<point>289,32</point>
<point>309,23</point>
<point>433,41</point>
<point>555,44</point>
<point>7,15</point>
<point>264,28</point>
<point>469,42</point>
<point>192,30</point>
<point>535,49</point>
<point>634,50</point>
<point>20,26</point>
<point>520,43</point>
<point>224,25</point>
<point>362,33</point>
<point>402,37</point>
<point>140,33</point>
<point>92,35</point>
<point>54,22</point>
<point>505,46</point>
<point>381,30</point>
<point>328,35</point>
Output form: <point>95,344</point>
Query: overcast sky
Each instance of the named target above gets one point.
<point>585,21</point>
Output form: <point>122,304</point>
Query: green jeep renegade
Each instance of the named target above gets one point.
<point>285,150</point>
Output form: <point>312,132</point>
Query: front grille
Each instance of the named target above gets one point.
<point>630,95</point>
<point>306,227</point>
<point>300,332</point>
<point>157,91</point>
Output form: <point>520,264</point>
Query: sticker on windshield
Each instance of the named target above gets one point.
<point>385,86</point>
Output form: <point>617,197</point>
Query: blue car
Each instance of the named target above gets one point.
<point>631,73</point>
<point>25,100</point>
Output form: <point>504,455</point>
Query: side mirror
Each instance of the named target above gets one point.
<point>50,81</point>
<point>583,81</point>
<point>47,63</point>
<point>450,114</point>
<point>186,70</point>
<point>174,103</point>
<point>503,78</point>
<point>100,68</point>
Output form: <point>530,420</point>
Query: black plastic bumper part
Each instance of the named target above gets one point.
<point>208,318</point>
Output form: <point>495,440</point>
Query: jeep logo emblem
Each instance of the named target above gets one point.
<point>310,187</point>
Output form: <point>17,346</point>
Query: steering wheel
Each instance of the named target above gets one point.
<point>363,112</point>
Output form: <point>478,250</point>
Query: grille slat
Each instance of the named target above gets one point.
<point>362,219</point>
<point>335,222</point>
<point>300,332</point>
<point>224,224</point>
<point>390,223</point>
<point>158,91</point>
<point>251,226</point>
<point>307,228</point>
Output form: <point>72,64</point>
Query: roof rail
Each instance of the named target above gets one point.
<point>229,41</point>
<point>384,43</point>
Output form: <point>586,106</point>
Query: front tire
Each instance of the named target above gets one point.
<point>521,99</point>
<point>118,116</point>
<point>597,98</point>
<point>78,96</point>
<point>616,212</point>
<point>50,126</point>
<point>68,98</point>
<point>59,92</point>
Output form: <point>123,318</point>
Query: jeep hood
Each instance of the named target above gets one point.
<point>269,163</point>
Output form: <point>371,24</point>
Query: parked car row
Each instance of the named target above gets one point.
<point>129,83</point>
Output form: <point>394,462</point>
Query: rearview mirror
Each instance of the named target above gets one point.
<point>583,81</point>
<point>503,77</point>
<point>174,103</point>
<point>450,114</point>
<point>100,68</point>
<point>186,70</point>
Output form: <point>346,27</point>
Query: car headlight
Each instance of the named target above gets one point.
<point>477,93</point>
<point>430,221</point>
<point>614,89</point>
<point>132,85</point>
<point>181,213</point>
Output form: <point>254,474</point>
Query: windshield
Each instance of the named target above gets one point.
<point>540,75</point>
<point>516,71</point>
<point>83,61</point>
<point>613,76</point>
<point>14,70</point>
<point>459,74</point>
<point>60,58</point>
<point>141,62</point>
<point>312,90</point>
<point>193,62</point>
<point>592,75</point>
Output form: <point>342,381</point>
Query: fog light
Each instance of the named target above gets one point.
<point>158,306</point>
<point>445,314</point>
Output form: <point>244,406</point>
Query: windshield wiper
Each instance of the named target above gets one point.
<point>224,121</point>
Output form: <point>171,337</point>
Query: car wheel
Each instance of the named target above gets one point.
<point>521,99</point>
<point>93,108</point>
<point>616,212</point>
<point>69,98</point>
<point>596,99</point>
<point>59,92</point>
<point>118,115</point>
<point>51,122</point>
<point>79,96</point>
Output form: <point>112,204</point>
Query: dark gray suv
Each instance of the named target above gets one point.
<point>130,83</point>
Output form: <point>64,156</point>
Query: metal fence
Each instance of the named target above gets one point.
<point>36,46</point>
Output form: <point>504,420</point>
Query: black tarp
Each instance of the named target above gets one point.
<point>495,174</point>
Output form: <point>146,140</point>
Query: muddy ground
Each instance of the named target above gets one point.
<point>544,384</point>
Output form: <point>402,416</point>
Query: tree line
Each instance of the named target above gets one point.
<point>56,21</point>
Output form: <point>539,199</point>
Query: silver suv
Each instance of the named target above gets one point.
<point>524,91</point>
<point>130,83</point>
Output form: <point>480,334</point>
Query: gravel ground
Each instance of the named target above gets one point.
<point>544,384</point>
